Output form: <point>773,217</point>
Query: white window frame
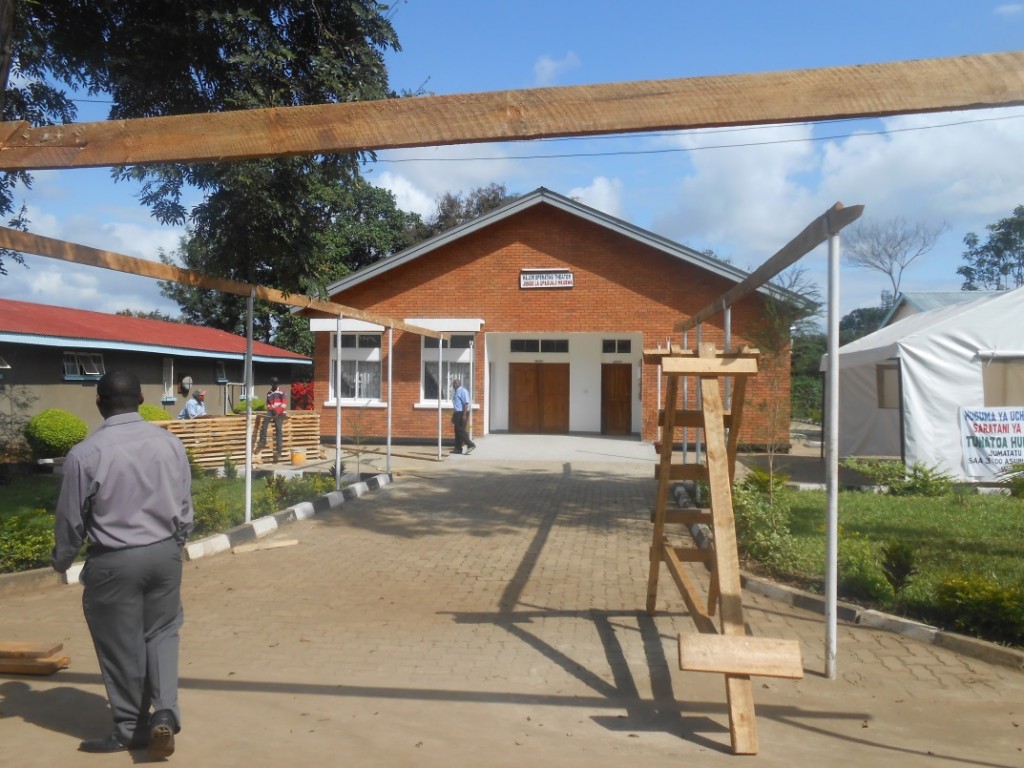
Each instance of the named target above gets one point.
<point>88,366</point>
<point>450,355</point>
<point>359,354</point>
<point>169,387</point>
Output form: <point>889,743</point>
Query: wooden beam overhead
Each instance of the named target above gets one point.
<point>867,90</point>
<point>25,242</point>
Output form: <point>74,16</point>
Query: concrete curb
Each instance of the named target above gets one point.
<point>853,614</point>
<point>264,526</point>
<point>11,583</point>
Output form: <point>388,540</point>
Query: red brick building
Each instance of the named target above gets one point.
<point>550,305</point>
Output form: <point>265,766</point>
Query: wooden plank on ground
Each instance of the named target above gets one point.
<point>45,666</point>
<point>736,654</point>
<point>15,650</point>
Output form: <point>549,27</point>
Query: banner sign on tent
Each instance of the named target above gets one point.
<point>992,439</point>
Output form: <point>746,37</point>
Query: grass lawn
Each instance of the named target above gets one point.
<point>979,534</point>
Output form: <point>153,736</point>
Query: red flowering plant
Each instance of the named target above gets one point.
<point>302,396</point>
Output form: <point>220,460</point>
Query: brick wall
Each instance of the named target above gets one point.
<point>619,286</point>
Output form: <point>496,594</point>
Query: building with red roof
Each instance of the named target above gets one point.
<point>53,356</point>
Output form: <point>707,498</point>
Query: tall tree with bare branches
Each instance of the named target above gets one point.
<point>890,246</point>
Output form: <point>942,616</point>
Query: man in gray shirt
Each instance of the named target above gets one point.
<point>127,493</point>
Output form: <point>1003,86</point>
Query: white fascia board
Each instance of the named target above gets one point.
<point>348,325</point>
<point>155,349</point>
<point>448,324</point>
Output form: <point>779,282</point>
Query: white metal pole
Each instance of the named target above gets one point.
<point>472,380</point>
<point>728,345</point>
<point>440,345</point>
<point>391,394</point>
<point>832,460</point>
<point>247,376</point>
<point>686,400</point>
<point>337,407</point>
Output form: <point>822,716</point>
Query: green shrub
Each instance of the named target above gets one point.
<point>979,606</point>
<point>860,574</point>
<point>898,564</point>
<point>257,405</point>
<point>25,542</point>
<point>151,412</point>
<point>213,511</point>
<point>762,524</point>
<point>54,432</point>
<point>898,480</point>
<point>1013,479</point>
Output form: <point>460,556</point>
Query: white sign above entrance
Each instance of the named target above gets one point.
<point>545,278</point>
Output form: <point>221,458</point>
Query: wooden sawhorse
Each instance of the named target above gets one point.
<point>728,650</point>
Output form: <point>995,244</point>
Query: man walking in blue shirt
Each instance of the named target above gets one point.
<point>460,418</point>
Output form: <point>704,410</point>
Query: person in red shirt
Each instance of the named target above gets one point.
<point>277,407</point>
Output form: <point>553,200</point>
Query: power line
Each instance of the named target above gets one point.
<point>673,150</point>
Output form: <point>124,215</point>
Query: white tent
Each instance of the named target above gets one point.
<point>901,388</point>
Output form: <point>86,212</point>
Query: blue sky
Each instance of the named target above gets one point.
<point>742,192</point>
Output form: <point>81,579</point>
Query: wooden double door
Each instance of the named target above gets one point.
<point>538,400</point>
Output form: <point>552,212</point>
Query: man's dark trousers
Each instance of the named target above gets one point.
<point>461,433</point>
<point>132,604</point>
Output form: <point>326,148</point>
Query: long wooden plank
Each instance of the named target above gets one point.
<point>692,418</point>
<point>15,650</point>
<point>868,90</point>
<point>688,590</point>
<point>814,234</point>
<point>661,495</point>
<point>739,691</point>
<point>26,242</point>
<point>709,366</point>
<point>686,516</point>
<point>761,656</point>
<point>694,472</point>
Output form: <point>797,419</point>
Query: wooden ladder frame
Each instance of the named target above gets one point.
<point>727,650</point>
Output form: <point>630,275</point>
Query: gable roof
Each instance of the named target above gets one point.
<point>924,301</point>
<point>543,196</point>
<point>22,322</point>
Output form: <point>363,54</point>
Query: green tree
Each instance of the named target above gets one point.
<point>998,263</point>
<point>454,209</point>
<point>860,322</point>
<point>258,221</point>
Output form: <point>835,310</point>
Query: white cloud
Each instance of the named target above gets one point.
<point>419,176</point>
<point>547,71</point>
<point>603,194</point>
<point>1009,9</point>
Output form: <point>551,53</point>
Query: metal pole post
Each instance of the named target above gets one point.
<point>470,388</point>
<point>337,407</point>
<point>440,391</point>
<point>391,338</point>
<point>832,460</point>
<point>247,376</point>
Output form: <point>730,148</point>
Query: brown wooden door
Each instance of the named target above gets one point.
<point>616,398</point>
<point>538,398</point>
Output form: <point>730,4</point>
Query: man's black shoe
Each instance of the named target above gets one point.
<point>162,727</point>
<point>109,743</point>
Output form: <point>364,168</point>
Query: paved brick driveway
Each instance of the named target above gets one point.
<point>489,613</point>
